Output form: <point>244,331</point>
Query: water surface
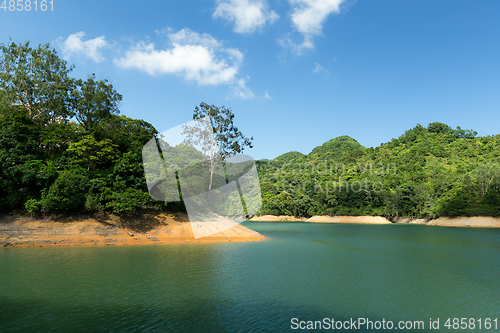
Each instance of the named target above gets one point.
<point>302,270</point>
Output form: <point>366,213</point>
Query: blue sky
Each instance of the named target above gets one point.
<point>296,73</point>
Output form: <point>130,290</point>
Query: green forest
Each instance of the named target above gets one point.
<point>427,172</point>
<point>65,148</point>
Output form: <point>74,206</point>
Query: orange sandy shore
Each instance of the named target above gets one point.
<point>152,228</point>
<point>475,221</point>
<point>324,219</point>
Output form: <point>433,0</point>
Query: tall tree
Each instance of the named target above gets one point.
<point>230,140</point>
<point>95,101</point>
<point>218,139</point>
<point>37,80</point>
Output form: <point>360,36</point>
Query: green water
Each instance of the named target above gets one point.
<point>304,271</point>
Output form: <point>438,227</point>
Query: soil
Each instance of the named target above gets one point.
<point>104,229</point>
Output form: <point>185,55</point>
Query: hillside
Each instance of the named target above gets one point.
<point>427,172</point>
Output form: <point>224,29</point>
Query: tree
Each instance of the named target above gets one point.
<point>218,139</point>
<point>438,127</point>
<point>464,133</point>
<point>95,101</point>
<point>230,140</point>
<point>67,193</point>
<point>36,80</point>
<point>90,153</point>
<point>128,133</point>
<point>18,147</point>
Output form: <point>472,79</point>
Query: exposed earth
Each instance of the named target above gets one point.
<point>104,229</point>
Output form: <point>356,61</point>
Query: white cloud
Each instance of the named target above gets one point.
<point>241,90</point>
<point>266,96</point>
<point>193,56</point>
<point>318,68</point>
<point>247,15</point>
<point>298,49</point>
<point>308,17</point>
<point>74,45</point>
<point>187,36</point>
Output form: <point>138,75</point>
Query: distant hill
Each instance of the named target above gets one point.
<point>426,172</point>
<point>292,155</point>
<point>337,149</point>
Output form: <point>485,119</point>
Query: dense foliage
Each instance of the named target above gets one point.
<point>63,145</point>
<point>427,172</point>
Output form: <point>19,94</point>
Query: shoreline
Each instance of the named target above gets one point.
<point>86,230</point>
<point>323,219</point>
<point>168,228</point>
<point>472,222</point>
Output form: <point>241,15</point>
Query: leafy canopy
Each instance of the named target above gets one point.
<point>37,80</point>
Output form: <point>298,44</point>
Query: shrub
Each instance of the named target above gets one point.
<point>33,206</point>
<point>68,193</point>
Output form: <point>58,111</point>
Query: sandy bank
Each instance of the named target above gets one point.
<point>476,221</point>
<point>349,219</point>
<point>152,228</point>
<point>323,219</point>
<point>274,218</point>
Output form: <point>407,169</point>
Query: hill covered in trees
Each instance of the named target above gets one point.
<point>427,172</point>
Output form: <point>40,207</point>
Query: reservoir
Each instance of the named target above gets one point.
<point>300,272</point>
